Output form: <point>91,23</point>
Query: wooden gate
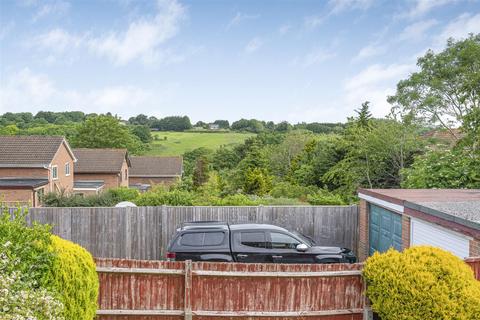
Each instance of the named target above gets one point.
<point>135,289</point>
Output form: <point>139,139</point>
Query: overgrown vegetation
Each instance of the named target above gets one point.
<point>43,277</point>
<point>421,283</point>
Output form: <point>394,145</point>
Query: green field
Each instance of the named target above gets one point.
<point>177,143</point>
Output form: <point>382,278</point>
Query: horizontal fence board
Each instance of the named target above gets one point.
<point>226,290</point>
<point>145,232</point>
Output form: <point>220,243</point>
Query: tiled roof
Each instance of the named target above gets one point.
<point>89,184</point>
<point>22,183</point>
<point>100,160</point>
<point>28,151</point>
<point>156,166</point>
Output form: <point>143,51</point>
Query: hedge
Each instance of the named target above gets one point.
<point>75,279</point>
<point>421,283</point>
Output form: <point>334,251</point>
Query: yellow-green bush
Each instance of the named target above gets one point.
<point>421,283</point>
<point>75,279</point>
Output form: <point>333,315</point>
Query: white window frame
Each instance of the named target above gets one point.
<point>67,172</point>
<point>56,170</point>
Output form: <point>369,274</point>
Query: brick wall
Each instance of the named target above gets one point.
<point>64,181</point>
<point>124,175</point>
<point>474,248</point>
<point>152,181</point>
<point>405,232</point>
<point>24,173</point>
<point>363,231</point>
<point>16,195</point>
<point>112,180</point>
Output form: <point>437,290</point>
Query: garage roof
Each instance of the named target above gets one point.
<point>22,183</point>
<point>457,205</point>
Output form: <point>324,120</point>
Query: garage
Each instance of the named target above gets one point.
<point>385,230</point>
<point>400,218</point>
<point>424,233</point>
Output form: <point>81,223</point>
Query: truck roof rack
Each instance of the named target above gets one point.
<point>209,222</point>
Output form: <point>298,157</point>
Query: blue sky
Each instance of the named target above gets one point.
<point>271,60</point>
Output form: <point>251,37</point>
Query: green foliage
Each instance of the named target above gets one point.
<point>174,123</point>
<point>200,173</point>
<point>421,283</point>
<point>123,194</point>
<point>325,198</point>
<point>445,88</point>
<point>292,191</point>
<point>160,196</point>
<point>444,169</point>
<point>55,199</point>
<point>142,132</point>
<point>106,132</point>
<point>75,278</point>
<point>257,181</point>
<point>251,125</point>
<point>28,245</point>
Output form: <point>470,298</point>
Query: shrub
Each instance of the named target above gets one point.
<point>325,198</point>
<point>421,283</point>
<point>74,277</point>
<point>123,194</point>
<point>293,191</point>
<point>158,197</point>
<point>54,199</point>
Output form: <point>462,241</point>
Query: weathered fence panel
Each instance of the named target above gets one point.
<point>145,232</point>
<point>181,290</point>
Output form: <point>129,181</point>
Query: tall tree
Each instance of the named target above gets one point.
<point>446,88</point>
<point>364,115</point>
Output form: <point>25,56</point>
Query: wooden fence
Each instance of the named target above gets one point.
<point>151,290</point>
<point>475,264</point>
<point>145,232</point>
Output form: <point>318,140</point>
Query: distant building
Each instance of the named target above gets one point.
<point>31,166</point>
<point>101,169</point>
<point>213,126</point>
<point>155,170</point>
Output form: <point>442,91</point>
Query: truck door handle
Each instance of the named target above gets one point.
<point>277,257</point>
<point>242,255</point>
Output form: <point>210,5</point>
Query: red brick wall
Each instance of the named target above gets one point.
<point>63,182</point>
<point>112,180</point>
<point>475,248</point>
<point>24,196</point>
<point>124,179</point>
<point>363,231</point>
<point>405,232</point>
<point>23,173</point>
<point>152,181</point>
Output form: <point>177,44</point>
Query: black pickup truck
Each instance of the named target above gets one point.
<point>263,243</point>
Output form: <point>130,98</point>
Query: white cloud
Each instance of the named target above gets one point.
<point>57,7</point>
<point>57,40</point>
<point>416,31</point>
<point>28,91</point>
<point>143,38</point>
<point>338,6</point>
<point>311,22</point>
<point>240,17</point>
<point>422,7</point>
<point>370,50</point>
<point>459,28</point>
<point>253,45</point>
<point>314,57</point>
<point>374,84</point>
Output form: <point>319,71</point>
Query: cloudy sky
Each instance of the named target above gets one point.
<point>272,60</point>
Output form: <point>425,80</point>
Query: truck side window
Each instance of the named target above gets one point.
<point>253,239</point>
<point>199,239</point>
<point>283,241</point>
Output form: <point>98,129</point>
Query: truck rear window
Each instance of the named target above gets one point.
<point>200,239</point>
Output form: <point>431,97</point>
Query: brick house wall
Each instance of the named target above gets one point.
<point>64,181</point>
<point>363,241</point>
<point>111,180</point>
<point>124,176</point>
<point>475,248</point>
<point>153,181</point>
<point>24,173</point>
<point>12,196</point>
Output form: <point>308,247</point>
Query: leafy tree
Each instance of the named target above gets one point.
<point>9,130</point>
<point>142,132</point>
<point>251,125</point>
<point>140,119</point>
<point>283,126</point>
<point>257,181</point>
<point>364,115</point>
<point>447,86</point>
<point>106,132</point>
<point>200,174</point>
<point>174,123</point>
<point>222,124</point>
<point>201,124</point>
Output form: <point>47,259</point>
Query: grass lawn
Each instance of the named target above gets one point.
<point>177,143</point>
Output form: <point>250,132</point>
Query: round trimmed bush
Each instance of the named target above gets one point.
<point>75,279</point>
<point>421,283</point>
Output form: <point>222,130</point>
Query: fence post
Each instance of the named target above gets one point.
<point>188,290</point>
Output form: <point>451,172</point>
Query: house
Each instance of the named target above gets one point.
<point>213,126</point>
<point>400,218</point>
<point>100,169</point>
<point>155,170</point>
<point>33,165</point>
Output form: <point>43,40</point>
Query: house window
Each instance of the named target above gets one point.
<point>54,172</point>
<point>67,168</point>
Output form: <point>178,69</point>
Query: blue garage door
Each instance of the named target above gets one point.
<point>385,229</point>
